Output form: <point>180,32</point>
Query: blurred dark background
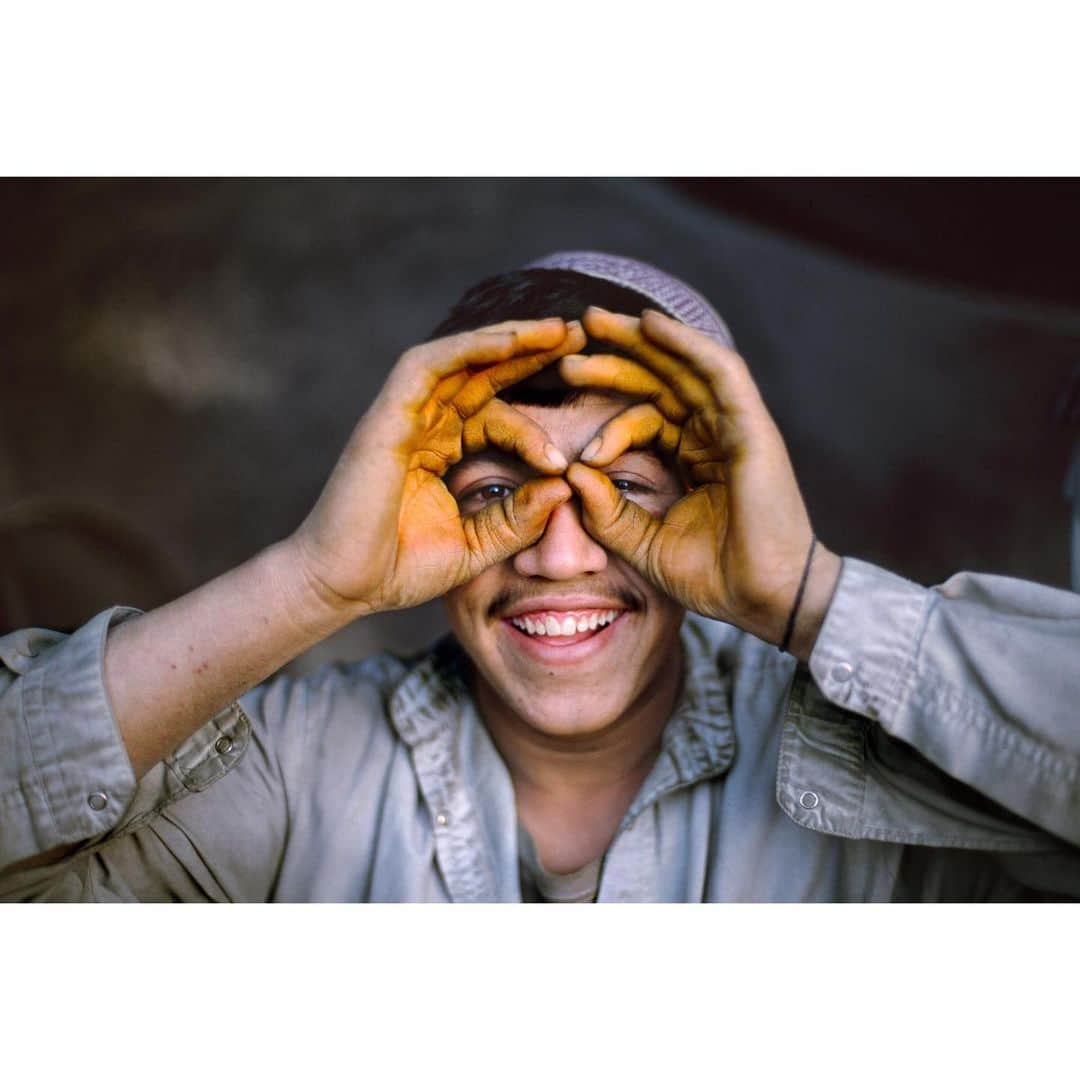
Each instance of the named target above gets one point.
<point>183,360</point>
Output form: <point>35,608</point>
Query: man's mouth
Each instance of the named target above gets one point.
<point>564,628</point>
<point>563,623</point>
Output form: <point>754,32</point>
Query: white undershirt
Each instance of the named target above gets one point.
<point>539,884</point>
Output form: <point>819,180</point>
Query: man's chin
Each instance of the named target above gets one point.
<point>572,685</point>
<point>567,720</point>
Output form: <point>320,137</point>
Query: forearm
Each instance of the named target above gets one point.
<point>169,671</point>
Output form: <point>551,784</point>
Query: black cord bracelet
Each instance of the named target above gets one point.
<point>798,596</point>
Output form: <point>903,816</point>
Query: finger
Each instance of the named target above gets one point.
<point>640,425</point>
<point>531,334</point>
<point>518,521</point>
<point>722,368</point>
<point>617,523</point>
<point>484,385</point>
<point>624,377</point>
<point>443,419</point>
<point>502,426</point>
<point>420,369</point>
<point>527,330</point>
<point>624,331</point>
<point>446,388</point>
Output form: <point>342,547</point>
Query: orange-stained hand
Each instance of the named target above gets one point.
<point>386,533</point>
<point>734,547</point>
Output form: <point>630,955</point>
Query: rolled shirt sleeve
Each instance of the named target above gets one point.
<point>980,675</point>
<point>65,775</point>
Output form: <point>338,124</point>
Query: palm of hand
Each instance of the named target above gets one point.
<point>720,549</point>
<point>688,553</point>
<point>683,556</point>
<point>432,553</point>
<point>436,548</point>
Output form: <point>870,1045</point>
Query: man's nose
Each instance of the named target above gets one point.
<point>565,550</point>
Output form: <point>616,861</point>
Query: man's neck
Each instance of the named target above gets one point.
<point>572,792</point>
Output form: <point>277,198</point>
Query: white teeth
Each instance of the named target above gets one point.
<point>566,625</point>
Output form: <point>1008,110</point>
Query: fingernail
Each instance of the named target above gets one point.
<point>553,454</point>
<point>591,450</point>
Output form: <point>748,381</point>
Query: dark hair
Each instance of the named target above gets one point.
<point>538,294</point>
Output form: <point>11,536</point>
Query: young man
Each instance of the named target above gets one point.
<point>573,473</point>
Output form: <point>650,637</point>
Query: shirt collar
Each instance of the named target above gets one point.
<point>699,738</point>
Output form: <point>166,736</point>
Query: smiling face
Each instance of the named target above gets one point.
<point>566,638</point>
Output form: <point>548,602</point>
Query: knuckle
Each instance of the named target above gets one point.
<point>434,460</point>
<point>496,529</point>
<point>473,437</point>
<point>621,527</point>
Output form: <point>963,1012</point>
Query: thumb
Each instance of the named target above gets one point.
<point>620,525</point>
<point>505,528</point>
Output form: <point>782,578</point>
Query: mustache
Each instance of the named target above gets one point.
<point>621,595</point>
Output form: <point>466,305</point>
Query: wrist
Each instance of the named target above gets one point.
<point>311,600</point>
<point>823,575</point>
<point>800,607</point>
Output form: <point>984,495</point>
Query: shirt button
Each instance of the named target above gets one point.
<point>223,745</point>
<point>442,818</point>
<point>98,801</point>
<point>808,800</point>
<point>843,672</point>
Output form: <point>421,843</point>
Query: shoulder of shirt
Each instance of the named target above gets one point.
<point>380,673</point>
<point>360,686</point>
<point>343,704</point>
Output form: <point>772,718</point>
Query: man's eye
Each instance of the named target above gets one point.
<point>630,486</point>
<point>478,497</point>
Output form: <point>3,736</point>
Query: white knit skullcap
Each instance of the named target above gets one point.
<point>669,293</point>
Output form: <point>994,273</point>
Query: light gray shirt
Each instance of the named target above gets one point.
<point>930,751</point>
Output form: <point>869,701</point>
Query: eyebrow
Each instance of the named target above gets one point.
<point>493,456</point>
<point>646,451</point>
